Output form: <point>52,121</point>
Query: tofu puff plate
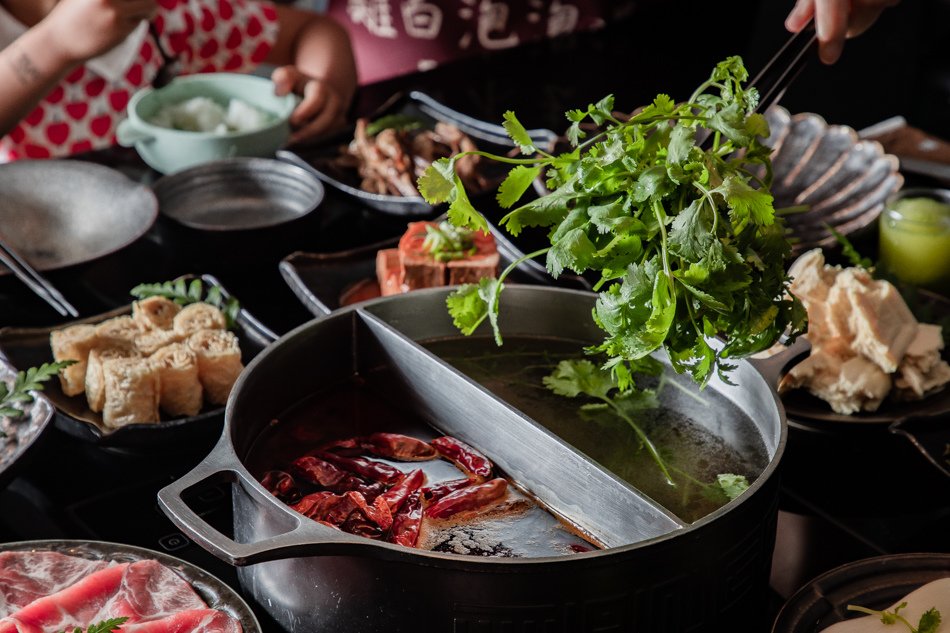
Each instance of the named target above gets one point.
<point>148,374</point>
<point>55,585</point>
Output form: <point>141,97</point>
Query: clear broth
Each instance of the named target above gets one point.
<point>699,434</point>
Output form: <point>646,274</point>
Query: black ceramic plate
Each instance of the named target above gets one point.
<point>876,583</point>
<point>326,281</point>
<point>18,436</point>
<point>809,411</point>
<point>488,137</point>
<point>28,347</point>
<point>214,592</point>
<point>922,422</point>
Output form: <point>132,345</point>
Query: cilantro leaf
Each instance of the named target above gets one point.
<point>929,621</point>
<point>515,184</point>
<point>438,181</point>
<point>746,204</point>
<point>518,133</point>
<point>467,308</point>
<point>732,485</point>
<point>572,378</point>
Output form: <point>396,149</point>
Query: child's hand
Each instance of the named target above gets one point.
<point>83,29</point>
<point>322,107</point>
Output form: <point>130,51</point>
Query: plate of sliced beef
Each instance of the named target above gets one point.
<point>50,586</point>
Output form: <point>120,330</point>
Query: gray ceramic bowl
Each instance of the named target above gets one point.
<point>841,179</point>
<point>239,194</point>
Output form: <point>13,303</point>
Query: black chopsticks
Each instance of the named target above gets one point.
<point>784,67</point>
<point>36,282</point>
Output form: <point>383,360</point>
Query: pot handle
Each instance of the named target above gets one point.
<point>128,135</point>
<point>771,367</point>
<point>307,537</point>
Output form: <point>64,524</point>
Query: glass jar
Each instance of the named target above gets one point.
<point>915,237</point>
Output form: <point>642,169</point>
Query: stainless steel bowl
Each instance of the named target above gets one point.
<point>238,194</point>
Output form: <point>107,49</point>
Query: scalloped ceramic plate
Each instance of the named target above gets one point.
<point>842,179</point>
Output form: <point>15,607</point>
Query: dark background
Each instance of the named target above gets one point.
<point>899,67</point>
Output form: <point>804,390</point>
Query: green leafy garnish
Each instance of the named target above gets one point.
<point>581,377</point>
<point>106,626</point>
<point>929,621</point>
<point>682,232</point>
<point>849,251</point>
<point>394,121</point>
<point>12,398</point>
<point>184,293</point>
<point>445,242</point>
<point>732,485</point>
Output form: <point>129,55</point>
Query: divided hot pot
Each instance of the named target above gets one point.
<point>657,569</point>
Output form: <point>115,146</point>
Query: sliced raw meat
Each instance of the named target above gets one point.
<point>143,591</point>
<point>27,576</point>
<point>79,604</point>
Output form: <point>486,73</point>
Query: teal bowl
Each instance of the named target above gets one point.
<point>168,150</point>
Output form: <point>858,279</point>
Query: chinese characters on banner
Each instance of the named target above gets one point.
<point>394,37</point>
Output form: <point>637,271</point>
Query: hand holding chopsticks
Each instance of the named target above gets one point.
<point>36,282</point>
<point>835,20</point>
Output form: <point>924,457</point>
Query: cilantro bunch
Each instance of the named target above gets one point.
<point>670,206</point>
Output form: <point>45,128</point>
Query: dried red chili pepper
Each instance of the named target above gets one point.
<point>398,494</point>
<point>407,522</point>
<point>336,509</point>
<point>365,468</point>
<point>281,485</point>
<point>466,458</point>
<point>320,472</point>
<point>470,498</point>
<point>398,447</point>
<point>393,446</point>
<point>431,494</point>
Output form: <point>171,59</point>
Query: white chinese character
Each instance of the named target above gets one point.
<point>375,15</point>
<point>421,20</point>
<point>492,23</point>
<point>562,19</point>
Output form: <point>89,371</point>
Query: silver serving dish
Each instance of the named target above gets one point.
<point>57,213</point>
<point>842,180</point>
<point>238,194</point>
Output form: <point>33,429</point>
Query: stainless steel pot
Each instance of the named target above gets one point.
<point>657,573</point>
